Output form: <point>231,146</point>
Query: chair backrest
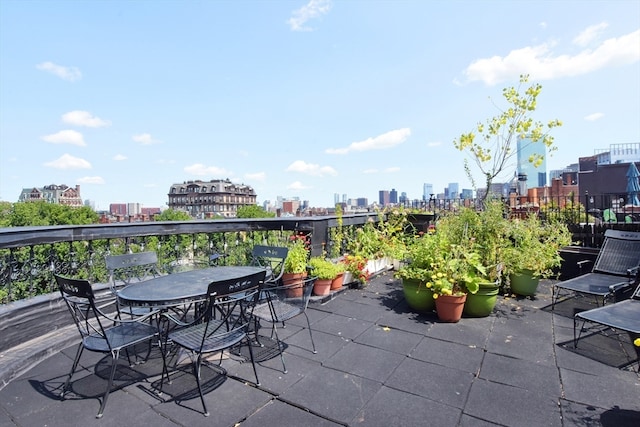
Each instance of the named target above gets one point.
<point>272,258</point>
<point>620,252</point>
<point>290,299</point>
<point>230,307</point>
<point>129,268</point>
<point>79,297</point>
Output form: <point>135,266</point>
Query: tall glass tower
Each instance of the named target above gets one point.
<point>527,150</point>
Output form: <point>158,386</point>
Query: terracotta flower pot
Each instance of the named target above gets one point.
<point>449,307</point>
<point>322,287</point>
<point>295,282</point>
<point>337,282</point>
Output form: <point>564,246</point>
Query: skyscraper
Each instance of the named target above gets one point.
<point>393,196</point>
<point>427,191</point>
<point>529,150</point>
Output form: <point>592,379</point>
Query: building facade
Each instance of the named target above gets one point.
<point>58,194</point>
<point>207,199</point>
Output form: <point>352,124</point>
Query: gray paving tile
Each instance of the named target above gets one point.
<point>435,382</point>
<point>337,395</point>
<point>342,326</point>
<point>277,413</point>
<point>390,339</point>
<point>467,358</point>
<point>604,391</point>
<point>521,373</point>
<point>390,407</point>
<point>470,332</point>
<point>365,361</point>
<point>229,403</point>
<point>512,406</point>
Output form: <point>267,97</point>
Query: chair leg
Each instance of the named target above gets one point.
<point>196,372</point>
<point>114,366</point>
<point>274,331</point>
<point>313,345</point>
<point>73,369</point>
<point>253,363</point>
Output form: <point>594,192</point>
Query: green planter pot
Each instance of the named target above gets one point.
<point>524,283</point>
<point>481,303</point>
<point>417,295</point>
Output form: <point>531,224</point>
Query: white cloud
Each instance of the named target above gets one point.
<point>297,185</point>
<point>589,34</point>
<point>313,9</point>
<point>392,169</point>
<point>65,73</point>
<point>543,63</point>
<point>91,180</point>
<point>144,139</point>
<point>65,137</point>
<point>311,169</point>
<point>67,161</point>
<point>434,144</point>
<point>258,176</point>
<point>380,142</point>
<point>594,117</point>
<point>119,157</point>
<point>370,171</point>
<point>199,169</point>
<point>84,118</point>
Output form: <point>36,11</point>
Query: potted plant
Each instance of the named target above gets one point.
<point>356,267</point>
<point>457,271</point>
<point>486,231</point>
<point>533,251</point>
<point>295,265</point>
<point>325,271</point>
<point>421,253</point>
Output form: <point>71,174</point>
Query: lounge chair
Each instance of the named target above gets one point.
<point>621,316</point>
<point>616,265</point>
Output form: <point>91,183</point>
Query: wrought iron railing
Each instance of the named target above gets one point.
<point>30,255</point>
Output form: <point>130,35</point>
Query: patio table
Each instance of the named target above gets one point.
<point>180,288</point>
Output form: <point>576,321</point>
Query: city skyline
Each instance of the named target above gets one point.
<point>297,98</point>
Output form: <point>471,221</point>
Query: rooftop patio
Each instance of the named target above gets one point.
<point>378,364</point>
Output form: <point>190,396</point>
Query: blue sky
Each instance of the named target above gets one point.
<point>299,98</point>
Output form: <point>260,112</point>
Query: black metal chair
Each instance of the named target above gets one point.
<point>272,258</point>
<point>222,324</point>
<point>615,266</point>
<point>99,331</point>
<point>131,268</point>
<point>622,316</point>
<point>281,304</point>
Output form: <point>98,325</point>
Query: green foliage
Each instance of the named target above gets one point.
<point>385,238</point>
<point>23,214</point>
<point>5,213</point>
<point>491,145</point>
<point>298,256</point>
<point>336,235</point>
<point>253,211</point>
<point>534,245</point>
<point>173,215</point>
<point>323,268</point>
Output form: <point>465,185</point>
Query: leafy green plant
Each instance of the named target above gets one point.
<point>298,256</point>
<point>322,268</point>
<point>534,245</point>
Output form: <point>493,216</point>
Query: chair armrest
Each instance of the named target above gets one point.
<point>582,263</point>
<point>618,287</point>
